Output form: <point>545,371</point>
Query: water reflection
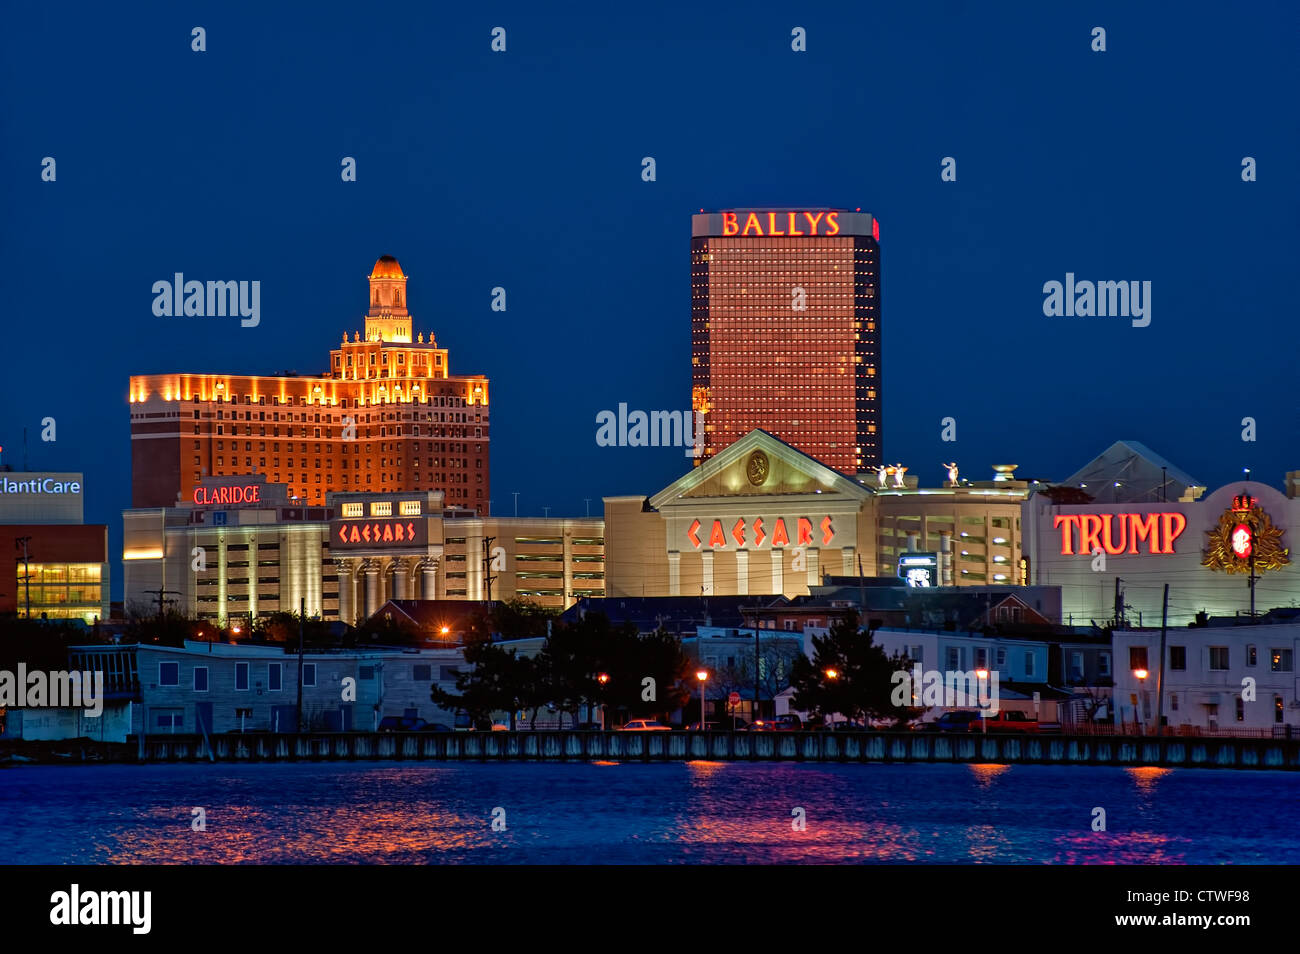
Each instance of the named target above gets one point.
<point>612,812</point>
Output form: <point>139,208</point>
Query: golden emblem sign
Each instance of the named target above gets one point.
<point>1261,539</point>
<point>757,468</point>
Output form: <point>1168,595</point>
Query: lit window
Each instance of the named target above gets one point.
<point>381,509</point>
<point>354,510</point>
<point>409,508</point>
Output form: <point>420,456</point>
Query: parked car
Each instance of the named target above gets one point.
<point>724,726</point>
<point>957,720</point>
<point>784,723</point>
<point>434,727</point>
<point>1012,720</point>
<point>401,724</point>
<point>645,725</point>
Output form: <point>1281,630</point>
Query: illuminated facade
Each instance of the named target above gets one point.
<point>762,518</point>
<point>785,330</point>
<point>387,416</point>
<point>247,550</point>
<point>51,564</point>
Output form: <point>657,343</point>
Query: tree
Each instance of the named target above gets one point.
<point>521,619</point>
<point>862,685</point>
<point>497,680</point>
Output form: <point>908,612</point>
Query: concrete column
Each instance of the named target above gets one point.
<point>706,572</point>
<point>430,571</point>
<point>742,572</point>
<point>811,555</point>
<point>400,577</point>
<point>778,570</point>
<point>846,562</point>
<point>371,570</point>
<point>945,558</point>
<point>674,573</point>
<point>345,589</point>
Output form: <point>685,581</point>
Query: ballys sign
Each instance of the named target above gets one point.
<point>743,534</point>
<point>1116,533</point>
<point>780,223</point>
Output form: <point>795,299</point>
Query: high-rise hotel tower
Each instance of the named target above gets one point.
<point>387,416</point>
<point>785,330</point>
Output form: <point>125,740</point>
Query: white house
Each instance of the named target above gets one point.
<point>1224,678</point>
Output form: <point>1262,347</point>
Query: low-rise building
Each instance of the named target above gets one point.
<point>1216,678</point>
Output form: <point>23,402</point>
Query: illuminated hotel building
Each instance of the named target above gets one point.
<point>248,550</point>
<point>388,415</point>
<point>785,330</point>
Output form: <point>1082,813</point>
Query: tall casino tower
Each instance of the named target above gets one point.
<point>785,330</point>
<point>387,416</point>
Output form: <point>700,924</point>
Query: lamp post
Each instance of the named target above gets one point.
<point>1141,677</point>
<point>831,675</point>
<point>983,674</point>
<point>702,675</point>
<point>602,678</point>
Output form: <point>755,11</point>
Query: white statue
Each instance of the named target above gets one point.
<point>899,471</point>
<point>882,472</point>
<point>952,473</point>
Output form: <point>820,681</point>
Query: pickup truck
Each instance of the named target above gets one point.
<point>1011,720</point>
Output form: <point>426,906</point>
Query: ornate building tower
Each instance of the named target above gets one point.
<point>388,319</point>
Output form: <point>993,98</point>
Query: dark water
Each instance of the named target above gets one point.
<point>435,813</point>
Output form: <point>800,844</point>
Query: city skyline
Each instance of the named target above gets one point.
<point>483,203</point>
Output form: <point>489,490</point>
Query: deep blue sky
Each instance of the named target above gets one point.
<point>522,170</point>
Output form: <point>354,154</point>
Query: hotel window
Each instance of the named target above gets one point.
<point>409,508</point>
<point>1250,656</point>
<point>1218,658</point>
<point>309,674</point>
<point>241,676</point>
<point>1178,657</point>
<point>381,508</point>
<point>1280,659</point>
<point>200,678</point>
<point>169,674</point>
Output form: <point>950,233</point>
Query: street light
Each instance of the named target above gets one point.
<point>602,678</point>
<point>702,675</point>
<point>983,674</point>
<point>1141,676</point>
<point>832,674</point>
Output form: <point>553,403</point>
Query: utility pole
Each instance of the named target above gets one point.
<point>1119,604</point>
<point>487,565</point>
<point>1250,561</point>
<point>302,613</point>
<point>1160,670</point>
<point>21,543</point>
<point>161,594</point>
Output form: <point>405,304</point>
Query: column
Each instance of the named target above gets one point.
<point>742,572</point>
<point>674,573</point>
<point>400,577</point>
<point>778,570</point>
<point>945,557</point>
<point>429,568</point>
<point>846,562</point>
<point>706,573</point>
<point>371,570</point>
<point>812,557</point>
<point>346,581</point>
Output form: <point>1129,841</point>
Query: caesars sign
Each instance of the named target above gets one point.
<point>1116,533</point>
<point>378,534</point>
<point>757,533</point>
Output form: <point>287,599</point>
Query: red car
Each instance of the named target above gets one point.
<point>1010,720</point>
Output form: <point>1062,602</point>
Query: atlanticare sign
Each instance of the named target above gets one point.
<point>39,485</point>
<point>777,535</point>
<point>1116,533</point>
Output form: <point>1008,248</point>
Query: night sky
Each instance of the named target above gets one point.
<point>523,170</point>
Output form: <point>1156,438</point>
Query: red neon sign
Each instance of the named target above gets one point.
<point>780,536</point>
<point>1243,541</point>
<point>207,496</point>
<point>378,532</point>
<point>781,223</point>
<point>1118,533</point>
